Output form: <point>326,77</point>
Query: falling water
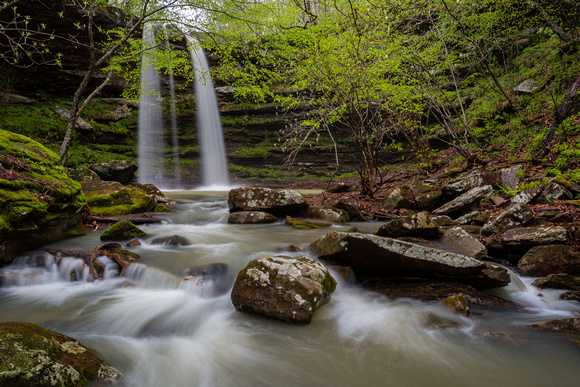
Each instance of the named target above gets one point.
<point>174,134</point>
<point>150,153</point>
<point>213,154</point>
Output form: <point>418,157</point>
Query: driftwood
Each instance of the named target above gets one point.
<point>569,106</point>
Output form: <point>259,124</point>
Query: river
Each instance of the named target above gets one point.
<point>163,331</point>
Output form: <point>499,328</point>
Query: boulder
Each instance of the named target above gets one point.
<point>465,200</point>
<point>173,240</point>
<point>565,325</point>
<point>457,303</point>
<point>398,198</point>
<point>558,281</point>
<point>509,177</point>
<point>351,207</point>
<point>34,356</point>
<point>39,203</point>
<point>122,171</point>
<point>469,180</point>
<point>80,124</point>
<point>107,198</point>
<point>539,194</point>
<point>284,288</point>
<point>526,196</point>
<point>251,217</point>
<point>523,238</point>
<point>543,260</point>
<point>82,174</point>
<point>464,243</point>
<point>278,202</point>
<point>122,230</point>
<point>572,295</point>
<point>342,188</point>
<point>417,225</point>
<point>474,217</point>
<point>513,216</point>
<point>325,213</point>
<point>381,256</point>
<point>428,200</point>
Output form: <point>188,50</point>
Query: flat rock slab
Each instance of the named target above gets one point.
<point>464,243</point>
<point>565,325</point>
<point>465,200</point>
<point>279,202</point>
<point>526,237</point>
<point>381,256</point>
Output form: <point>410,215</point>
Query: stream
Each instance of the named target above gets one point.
<point>167,332</point>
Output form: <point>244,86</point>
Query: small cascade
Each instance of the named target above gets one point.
<point>213,154</point>
<point>150,136</point>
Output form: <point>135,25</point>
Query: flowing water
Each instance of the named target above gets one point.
<point>163,331</point>
<point>211,139</point>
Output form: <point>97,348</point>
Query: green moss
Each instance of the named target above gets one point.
<point>122,230</point>
<point>302,224</point>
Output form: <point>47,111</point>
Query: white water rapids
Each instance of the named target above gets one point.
<point>166,332</point>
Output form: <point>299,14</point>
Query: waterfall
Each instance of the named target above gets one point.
<point>213,154</point>
<point>150,127</point>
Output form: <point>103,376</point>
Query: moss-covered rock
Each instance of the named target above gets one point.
<point>122,230</point>
<point>303,224</point>
<point>34,356</point>
<point>39,203</point>
<point>106,198</point>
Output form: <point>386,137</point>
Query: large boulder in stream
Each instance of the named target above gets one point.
<point>31,355</point>
<point>107,198</point>
<point>279,202</point>
<point>387,257</point>
<point>39,203</point>
<point>543,260</point>
<point>418,225</point>
<point>284,288</point>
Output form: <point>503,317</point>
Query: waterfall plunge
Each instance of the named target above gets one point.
<point>213,154</point>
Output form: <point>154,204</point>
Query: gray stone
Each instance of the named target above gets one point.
<point>513,216</point>
<point>526,237</point>
<point>399,198</point>
<point>251,217</point>
<point>284,288</point>
<point>558,281</point>
<point>350,206</point>
<point>527,87</point>
<point>474,217</point>
<point>509,177</point>
<point>275,201</point>
<point>65,115</point>
<point>381,256</point>
<point>82,174</point>
<point>14,98</point>
<point>122,171</point>
<point>428,200</point>
<point>325,213</point>
<point>419,225</point>
<point>469,180</point>
<point>465,200</point>
<point>464,243</point>
<point>443,220</point>
<point>173,240</point>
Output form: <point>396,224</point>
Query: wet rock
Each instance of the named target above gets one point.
<point>493,243</point>
<point>154,192</point>
<point>214,276</point>
<point>515,215</point>
<point>107,198</point>
<point>541,261</point>
<point>558,281</point>
<point>350,206</point>
<point>399,198</point>
<point>464,243</point>
<point>162,207</point>
<point>122,230</point>
<point>284,288</point>
<point>420,225</point>
<point>572,295</point>
<point>39,203</point>
<point>34,356</point>
<point>429,290</point>
<point>565,325</point>
<point>251,217</point>
<point>173,240</point>
<point>325,213</point>
<point>82,174</point>
<point>381,256</point>
<point>122,171</point>
<point>275,201</point>
<point>344,272</point>
<point>469,180</point>
<point>457,303</point>
<point>443,220</point>
<point>522,238</point>
<point>465,200</point>
<point>303,224</point>
<point>134,243</point>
